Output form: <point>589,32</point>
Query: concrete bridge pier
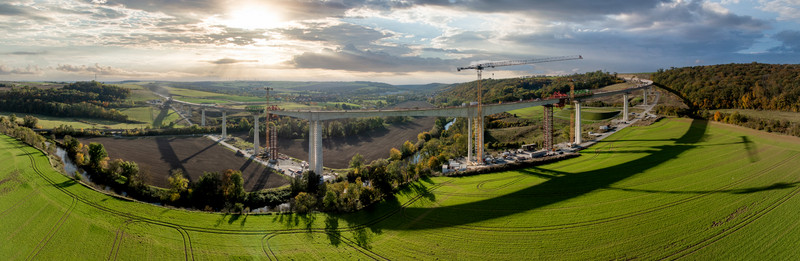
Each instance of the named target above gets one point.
<point>224,126</point>
<point>203,117</point>
<point>256,145</point>
<point>315,146</point>
<point>644,93</point>
<point>479,136</point>
<point>625,107</point>
<point>469,139</point>
<point>578,140</point>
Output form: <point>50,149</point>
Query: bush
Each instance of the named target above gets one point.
<point>304,202</point>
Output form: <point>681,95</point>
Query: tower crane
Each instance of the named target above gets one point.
<point>479,69</point>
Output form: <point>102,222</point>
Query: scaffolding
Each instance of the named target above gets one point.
<point>548,127</point>
<point>272,134</point>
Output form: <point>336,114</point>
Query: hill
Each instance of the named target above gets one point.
<point>736,86</point>
<point>655,192</point>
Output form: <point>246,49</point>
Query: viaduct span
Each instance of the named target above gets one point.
<point>315,118</point>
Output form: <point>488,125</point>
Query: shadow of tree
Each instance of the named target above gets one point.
<point>332,230</point>
<point>67,183</point>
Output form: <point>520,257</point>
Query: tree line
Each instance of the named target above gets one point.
<point>735,86</point>
<point>80,99</point>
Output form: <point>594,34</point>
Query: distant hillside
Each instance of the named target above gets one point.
<point>736,86</point>
<point>514,89</point>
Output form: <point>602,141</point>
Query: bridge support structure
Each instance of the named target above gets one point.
<point>203,117</point>
<point>625,107</point>
<point>469,139</point>
<point>578,139</point>
<point>256,145</point>
<point>644,98</point>
<point>548,127</point>
<point>224,126</point>
<point>315,146</point>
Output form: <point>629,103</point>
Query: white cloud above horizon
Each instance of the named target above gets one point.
<point>414,41</point>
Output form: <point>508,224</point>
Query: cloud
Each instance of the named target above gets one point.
<point>28,70</point>
<point>344,33</point>
<point>20,11</point>
<point>231,61</point>
<point>96,69</point>
<point>177,35</point>
<point>27,53</point>
<point>786,9</point>
<point>790,42</point>
<point>350,58</point>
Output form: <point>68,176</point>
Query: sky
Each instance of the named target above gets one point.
<point>393,41</point>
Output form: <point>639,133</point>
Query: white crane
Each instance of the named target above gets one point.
<point>479,68</point>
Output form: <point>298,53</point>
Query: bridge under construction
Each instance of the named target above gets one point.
<point>473,114</point>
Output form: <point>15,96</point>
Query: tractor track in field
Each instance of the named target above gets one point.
<point>183,230</point>
<point>118,239</point>
<point>723,233</point>
<point>271,254</point>
<point>53,231</point>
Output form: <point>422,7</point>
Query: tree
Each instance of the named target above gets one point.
<point>13,118</point>
<point>30,121</point>
<point>424,136</point>
<point>356,164</point>
<point>97,153</point>
<point>395,154</point>
<point>232,186</point>
<point>206,193</point>
<point>330,202</point>
<point>304,202</point>
<point>312,182</point>
<point>408,149</point>
<point>357,161</point>
<point>177,184</point>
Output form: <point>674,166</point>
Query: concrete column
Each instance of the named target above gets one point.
<point>480,147</point>
<point>318,147</point>
<point>469,138</point>
<point>625,107</point>
<point>312,141</point>
<point>256,144</point>
<point>644,93</point>
<point>203,117</point>
<point>224,126</point>
<point>578,123</point>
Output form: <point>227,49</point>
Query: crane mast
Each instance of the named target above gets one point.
<point>478,135</point>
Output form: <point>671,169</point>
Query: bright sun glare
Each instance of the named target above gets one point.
<point>252,16</point>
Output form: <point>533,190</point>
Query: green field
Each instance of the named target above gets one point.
<point>656,192</point>
<point>209,97</point>
<point>148,116</point>
<point>772,115</point>
<point>588,115</point>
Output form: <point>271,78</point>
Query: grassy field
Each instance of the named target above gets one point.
<point>588,115</point>
<point>656,192</point>
<point>772,115</point>
<point>148,116</point>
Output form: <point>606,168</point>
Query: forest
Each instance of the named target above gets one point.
<point>736,86</point>
<point>79,99</point>
<point>514,89</point>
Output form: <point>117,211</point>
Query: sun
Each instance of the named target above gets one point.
<point>252,16</point>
